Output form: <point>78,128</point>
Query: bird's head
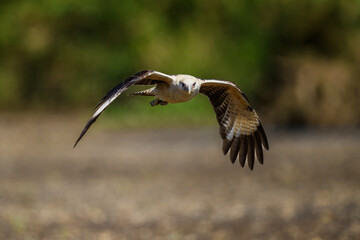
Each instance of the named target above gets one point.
<point>188,84</point>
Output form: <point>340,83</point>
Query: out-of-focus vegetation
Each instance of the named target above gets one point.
<point>298,59</point>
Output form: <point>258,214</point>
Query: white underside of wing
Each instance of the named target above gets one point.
<point>238,133</point>
<point>163,76</point>
<point>103,106</point>
<point>156,75</point>
<point>230,135</point>
<point>218,82</point>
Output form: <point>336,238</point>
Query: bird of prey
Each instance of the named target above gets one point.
<point>240,127</point>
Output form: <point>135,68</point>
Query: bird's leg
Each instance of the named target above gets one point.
<point>154,102</point>
<point>158,101</point>
<point>163,103</point>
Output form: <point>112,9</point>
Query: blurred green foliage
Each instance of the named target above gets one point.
<point>68,53</point>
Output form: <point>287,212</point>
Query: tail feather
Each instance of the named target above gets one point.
<point>147,92</point>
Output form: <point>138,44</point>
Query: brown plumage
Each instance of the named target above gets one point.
<point>240,127</point>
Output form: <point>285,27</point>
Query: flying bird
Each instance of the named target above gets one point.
<point>240,126</point>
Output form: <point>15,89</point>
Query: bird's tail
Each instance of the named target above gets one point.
<point>147,92</point>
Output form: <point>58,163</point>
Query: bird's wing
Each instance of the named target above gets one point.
<point>240,126</point>
<point>146,77</point>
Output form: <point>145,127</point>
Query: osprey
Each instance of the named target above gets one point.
<point>240,127</point>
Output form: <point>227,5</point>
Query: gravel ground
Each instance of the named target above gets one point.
<point>173,184</point>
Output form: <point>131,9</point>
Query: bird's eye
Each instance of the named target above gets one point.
<point>194,84</point>
<point>182,84</point>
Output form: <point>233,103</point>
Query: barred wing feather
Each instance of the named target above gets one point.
<point>240,126</point>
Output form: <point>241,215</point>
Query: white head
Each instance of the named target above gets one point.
<point>188,84</point>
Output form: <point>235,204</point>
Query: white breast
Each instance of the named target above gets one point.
<point>172,94</point>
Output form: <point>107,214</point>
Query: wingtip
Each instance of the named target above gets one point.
<point>76,143</point>
<point>81,135</point>
<point>263,137</point>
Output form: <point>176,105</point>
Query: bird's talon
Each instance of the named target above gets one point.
<point>163,103</point>
<point>154,102</point>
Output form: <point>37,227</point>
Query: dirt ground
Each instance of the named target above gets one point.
<point>173,184</point>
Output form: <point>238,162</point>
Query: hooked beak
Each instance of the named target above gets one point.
<point>189,90</point>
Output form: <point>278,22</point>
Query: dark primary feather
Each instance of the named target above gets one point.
<point>139,78</point>
<point>258,147</point>
<point>234,149</point>
<point>243,150</point>
<point>263,137</point>
<point>226,145</point>
<point>250,157</point>
<point>235,114</point>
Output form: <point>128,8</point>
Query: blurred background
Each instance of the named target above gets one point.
<point>297,61</point>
